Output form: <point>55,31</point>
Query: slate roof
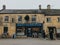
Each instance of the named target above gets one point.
<point>31,11</point>
<point>21,11</point>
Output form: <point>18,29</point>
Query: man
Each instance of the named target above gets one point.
<point>43,34</point>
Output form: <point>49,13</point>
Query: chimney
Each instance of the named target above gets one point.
<point>39,7</point>
<point>48,7</point>
<point>4,7</point>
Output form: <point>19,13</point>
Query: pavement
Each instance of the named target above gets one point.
<point>29,41</point>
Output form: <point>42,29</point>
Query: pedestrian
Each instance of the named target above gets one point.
<point>43,34</point>
<point>51,34</point>
<point>14,36</point>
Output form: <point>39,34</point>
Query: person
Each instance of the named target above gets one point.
<point>14,36</point>
<point>43,34</point>
<point>35,35</point>
<point>51,34</point>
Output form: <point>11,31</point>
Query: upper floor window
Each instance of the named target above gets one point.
<point>58,19</point>
<point>34,18</point>
<point>1,20</point>
<point>19,18</point>
<point>13,20</point>
<point>48,19</point>
<point>6,18</point>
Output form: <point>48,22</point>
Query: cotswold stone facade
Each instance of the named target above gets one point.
<point>30,21</point>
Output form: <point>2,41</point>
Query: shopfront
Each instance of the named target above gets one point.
<point>52,32</point>
<point>28,29</point>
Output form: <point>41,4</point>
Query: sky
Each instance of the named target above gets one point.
<point>29,4</point>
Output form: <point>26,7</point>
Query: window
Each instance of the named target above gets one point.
<point>1,20</point>
<point>58,30</point>
<point>58,33</point>
<point>48,19</point>
<point>19,18</point>
<point>12,20</point>
<point>34,18</point>
<point>19,31</point>
<point>6,18</point>
<point>58,19</point>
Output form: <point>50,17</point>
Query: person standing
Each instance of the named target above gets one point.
<point>43,34</point>
<point>51,34</point>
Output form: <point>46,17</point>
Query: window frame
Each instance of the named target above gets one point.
<point>12,20</point>
<point>19,18</point>
<point>6,18</point>
<point>58,19</point>
<point>33,18</point>
<point>48,19</point>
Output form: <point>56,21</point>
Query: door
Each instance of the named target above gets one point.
<point>51,32</point>
<point>5,29</point>
<point>29,32</point>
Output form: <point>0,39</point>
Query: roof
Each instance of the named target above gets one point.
<point>21,11</point>
<point>31,11</point>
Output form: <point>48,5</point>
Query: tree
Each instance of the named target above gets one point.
<point>27,18</point>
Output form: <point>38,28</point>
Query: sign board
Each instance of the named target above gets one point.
<point>30,25</point>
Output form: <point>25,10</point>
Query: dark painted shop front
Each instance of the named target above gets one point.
<point>29,29</point>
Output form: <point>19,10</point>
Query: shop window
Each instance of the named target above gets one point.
<point>19,31</point>
<point>58,30</point>
<point>58,33</point>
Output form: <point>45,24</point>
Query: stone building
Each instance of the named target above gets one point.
<point>28,21</point>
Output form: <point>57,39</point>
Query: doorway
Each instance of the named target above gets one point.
<point>29,32</point>
<point>52,30</point>
<point>5,29</point>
